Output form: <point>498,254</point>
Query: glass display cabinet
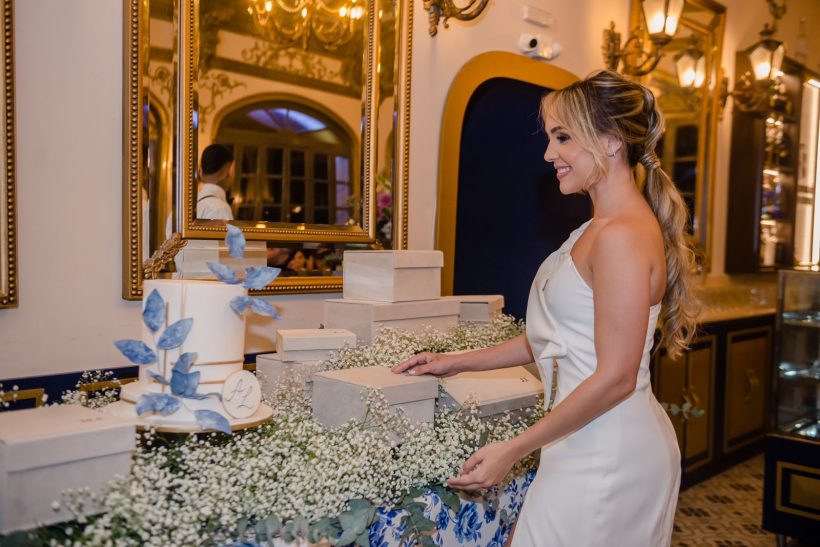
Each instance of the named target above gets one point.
<point>791,505</point>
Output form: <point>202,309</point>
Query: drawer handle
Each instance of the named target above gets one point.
<point>753,384</point>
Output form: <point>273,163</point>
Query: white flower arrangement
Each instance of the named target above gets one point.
<point>292,477</point>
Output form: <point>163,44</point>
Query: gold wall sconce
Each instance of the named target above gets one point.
<point>761,86</point>
<point>446,9</point>
<point>661,18</point>
<point>690,66</point>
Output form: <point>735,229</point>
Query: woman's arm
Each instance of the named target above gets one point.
<point>621,284</point>
<point>511,353</point>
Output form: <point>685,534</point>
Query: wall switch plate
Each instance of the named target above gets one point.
<point>536,16</point>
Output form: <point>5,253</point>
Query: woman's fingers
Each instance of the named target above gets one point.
<point>410,363</point>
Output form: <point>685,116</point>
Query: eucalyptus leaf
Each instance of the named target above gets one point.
<point>184,384</point>
<point>223,273</point>
<point>175,335</point>
<point>240,303</point>
<point>426,541</point>
<point>347,537</point>
<point>263,307</point>
<point>136,351</point>
<point>242,526</point>
<point>449,498</point>
<point>301,526</point>
<point>154,313</point>
<point>363,539</point>
<point>235,240</point>
<point>208,419</point>
<point>287,533</point>
<point>158,377</point>
<point>259,278</point>
<point>358,504</point>
<point>185,361</point>
<point>159,403</point>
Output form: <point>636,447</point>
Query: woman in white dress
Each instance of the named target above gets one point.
<point>610,465</point>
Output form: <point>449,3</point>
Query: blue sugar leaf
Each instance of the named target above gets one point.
<point>184,384</point>
<point>154,313</point>
<point>136,352</point>
<point>185,361</point>
<point>263,307</point>
<point>240,303</point>
<point>258,278</point>
<point>200,396</point>
<point>160,403</point>
<point>208,419</point>
<point>175,335</point>
<point>223,273</point>
<point>158,377</point>
<point>236,242</point>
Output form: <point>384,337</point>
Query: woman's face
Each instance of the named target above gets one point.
<point>573,165</point>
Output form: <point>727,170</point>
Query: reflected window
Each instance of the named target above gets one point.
<point>293,164</point>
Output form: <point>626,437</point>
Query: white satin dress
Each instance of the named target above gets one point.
<point>615,481</point>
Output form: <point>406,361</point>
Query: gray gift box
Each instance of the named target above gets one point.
<point>311,344</point>
<point>46,450</point>
<point>270,369</point>
<point>392,276</point>
<point>495,391</point>
<point>478,308</point>
<point>337,394</point>
<point>365,318</point>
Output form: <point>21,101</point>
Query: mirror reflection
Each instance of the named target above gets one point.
<point>279,88</point>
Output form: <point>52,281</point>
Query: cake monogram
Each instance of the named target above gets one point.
<point>207,388</point>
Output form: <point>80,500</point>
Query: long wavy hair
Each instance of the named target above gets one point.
<point>606,103</point>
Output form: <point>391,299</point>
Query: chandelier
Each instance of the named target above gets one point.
<point>330,23</point>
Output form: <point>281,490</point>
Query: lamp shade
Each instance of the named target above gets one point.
<point>662,17</point>
<point>766,56</point>
<point>690,65</point>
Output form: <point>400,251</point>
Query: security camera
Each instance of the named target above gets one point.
<point>528,43</point>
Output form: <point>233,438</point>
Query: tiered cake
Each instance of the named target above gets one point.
<point>215,380</point>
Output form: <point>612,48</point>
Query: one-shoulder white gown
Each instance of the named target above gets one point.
<point>615,481</point>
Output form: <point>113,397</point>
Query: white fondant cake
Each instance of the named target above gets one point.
<point>217,336</point>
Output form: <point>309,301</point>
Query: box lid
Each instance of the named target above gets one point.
<point>491,299</point>
<point>391,311</point>
<point>395,259</point>
<point>492,386</point>
<point>397,388</point>
<point>309,339</point>
<point>49,435</point>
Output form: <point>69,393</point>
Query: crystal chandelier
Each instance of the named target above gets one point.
<point>331,23</point>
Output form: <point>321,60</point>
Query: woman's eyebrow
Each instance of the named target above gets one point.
<point>556,128</point>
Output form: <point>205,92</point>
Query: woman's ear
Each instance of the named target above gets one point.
<point>612,145</point>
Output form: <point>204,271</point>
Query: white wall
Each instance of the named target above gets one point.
<point>69,131</point>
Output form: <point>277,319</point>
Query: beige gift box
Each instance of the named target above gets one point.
<point>495,391</point>
<point>478,308</point>
<point>392,276</point>
<point>337,394</point>
<point>270,369</point>
<point>311,344</point>
<point>44,451</point>
<point>365,318</point>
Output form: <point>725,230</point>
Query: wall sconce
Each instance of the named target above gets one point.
<point>448,10</point>
<point>757,89</point>
<point>690,65</point>
<point>662,17</point>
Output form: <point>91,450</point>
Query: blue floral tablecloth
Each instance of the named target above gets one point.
<point>485,521</point>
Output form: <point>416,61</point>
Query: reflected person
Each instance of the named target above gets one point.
<point>217,172</point>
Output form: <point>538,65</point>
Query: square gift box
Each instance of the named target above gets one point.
<point>337,394</point>
<point>270,369</point>
<point>392,276</point>
<point>365,318</point>
<point>44,451</point>
<point>311,344</point>
<point>495,391</point>
<point>478,308</point>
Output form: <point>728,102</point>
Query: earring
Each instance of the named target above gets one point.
<point>612,155</point>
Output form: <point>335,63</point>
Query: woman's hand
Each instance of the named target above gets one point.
<point>487,467</point>
<point>435,364</point>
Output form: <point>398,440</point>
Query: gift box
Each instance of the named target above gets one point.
<point>337,394</point>
<point>495,391</point>
<point>270,369</point>
<point>46,450</point>
<point>311,344</point>
<point>365,318</point>
<point>392,276</point>
<point>478,308</point>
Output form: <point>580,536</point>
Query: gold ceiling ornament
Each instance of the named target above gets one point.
<point>331,23</point>
<point>662,18</point>
<point>447,9</point>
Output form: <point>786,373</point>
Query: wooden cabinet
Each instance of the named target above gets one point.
<point>726,374</point>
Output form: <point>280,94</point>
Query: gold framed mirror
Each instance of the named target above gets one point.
<point>8,195</point>
<point>310,97</point>
<point>691,112</point>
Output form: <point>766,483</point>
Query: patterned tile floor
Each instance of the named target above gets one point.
<point>724,511</point>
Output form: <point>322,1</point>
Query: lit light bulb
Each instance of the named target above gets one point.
<point>762,70</point>
<point>268,6</point>
<point>343,11</point>
<point>304,13</point>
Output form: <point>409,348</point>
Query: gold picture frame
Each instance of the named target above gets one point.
<point>8,197</point>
